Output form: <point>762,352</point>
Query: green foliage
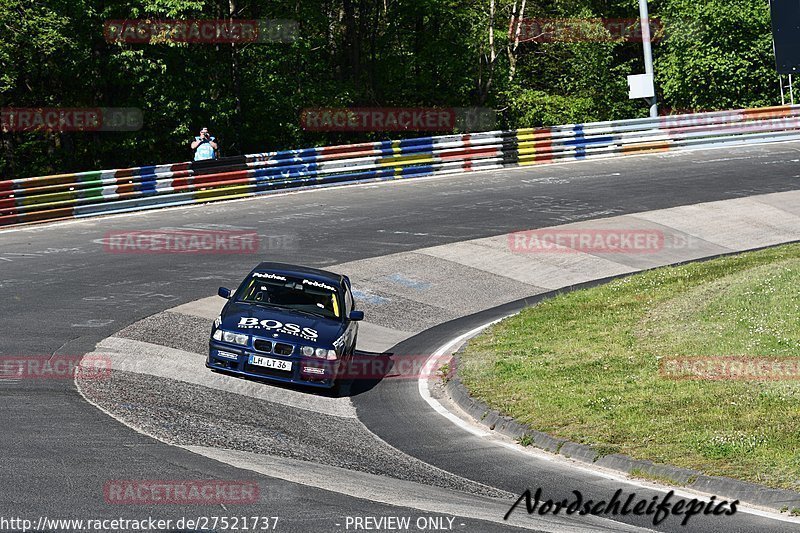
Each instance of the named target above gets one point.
<point>716,54</point>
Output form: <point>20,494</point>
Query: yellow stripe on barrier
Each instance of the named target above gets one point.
<point>529,150</point>
<point>540,136</point>
<point>54,197</point>
<point>237,191</point>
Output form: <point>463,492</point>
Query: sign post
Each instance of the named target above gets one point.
<point>642,85</point>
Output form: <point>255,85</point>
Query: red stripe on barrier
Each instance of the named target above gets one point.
<point>125,173</point>
<point>545,145</point>
<point>181,182</point>
<point>234,178</point>
<point>363,153</point>
<point>57,179</point>
<point>8,203</point>
<point>7,220</point>
<point>472,153</point>
<point>767,112</point>
<point>347,148</point>
<point>123,188</point>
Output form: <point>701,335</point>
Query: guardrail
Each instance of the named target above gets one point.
<point>100,192</point>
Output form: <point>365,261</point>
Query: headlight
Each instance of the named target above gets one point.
<point>234,338</point>
<point>319,353</point>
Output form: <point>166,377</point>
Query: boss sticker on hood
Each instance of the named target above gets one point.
<point>278,326</point>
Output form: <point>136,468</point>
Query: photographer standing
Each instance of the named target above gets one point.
<point>205,146</point>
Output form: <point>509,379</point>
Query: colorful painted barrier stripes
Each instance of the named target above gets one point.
<point>148,187</point>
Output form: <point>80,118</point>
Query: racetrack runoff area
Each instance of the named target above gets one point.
<point>708,350</point>
<point>409,292</point>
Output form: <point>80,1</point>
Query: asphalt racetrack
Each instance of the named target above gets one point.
<point>63,293</point>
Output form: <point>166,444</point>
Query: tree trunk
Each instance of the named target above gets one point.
<point>352,41</point>
<point>238,121</point>
<point>516,28</point>
<point>485,85</point>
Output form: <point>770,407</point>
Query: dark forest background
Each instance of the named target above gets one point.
<point>714,54</point>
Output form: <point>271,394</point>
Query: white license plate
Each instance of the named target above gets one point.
<point>266,362</point>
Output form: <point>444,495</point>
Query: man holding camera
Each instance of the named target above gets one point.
<point>204,146</point>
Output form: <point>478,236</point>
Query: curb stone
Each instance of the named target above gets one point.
<point>722,487</point>
<point>748,492</point>
<point>581,452</point>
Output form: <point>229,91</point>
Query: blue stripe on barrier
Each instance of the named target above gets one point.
<point>293,154</point>
<point>144,171</point>
<point>580,152</point>
<point>384,147</point>
<point>581,142</point>
<point>426,142</point>
<point>147,184</point>
<point>587,141</point>
<point>291,171</point>
<point>426,148</point>
<point>416,170</point>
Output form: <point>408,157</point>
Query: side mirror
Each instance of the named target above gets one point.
<point>225,293</point>
<point>356,316</point>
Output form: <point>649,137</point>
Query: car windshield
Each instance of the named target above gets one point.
<point>298,294</point>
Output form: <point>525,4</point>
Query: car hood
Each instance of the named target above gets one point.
<point>280,324</point>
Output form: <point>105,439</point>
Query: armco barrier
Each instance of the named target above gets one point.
<point>114,191</point>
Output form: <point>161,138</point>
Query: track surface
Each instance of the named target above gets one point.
<point>394,406</point>
<point>63,293</point>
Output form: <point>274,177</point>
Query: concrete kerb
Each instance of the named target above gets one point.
<point>754,494</point>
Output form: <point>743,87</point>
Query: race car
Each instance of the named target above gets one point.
<point>286,323</point>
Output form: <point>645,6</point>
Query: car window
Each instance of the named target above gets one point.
<point>297,294</point>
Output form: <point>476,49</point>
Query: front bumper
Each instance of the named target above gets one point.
<point>305,371</point>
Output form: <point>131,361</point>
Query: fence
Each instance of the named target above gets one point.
<point>101,192</point>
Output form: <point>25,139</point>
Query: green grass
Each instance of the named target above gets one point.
<point>585,366</point>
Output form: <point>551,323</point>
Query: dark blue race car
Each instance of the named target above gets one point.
<point>286,323</point>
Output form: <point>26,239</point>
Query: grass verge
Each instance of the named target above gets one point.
<point>586,366</point>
